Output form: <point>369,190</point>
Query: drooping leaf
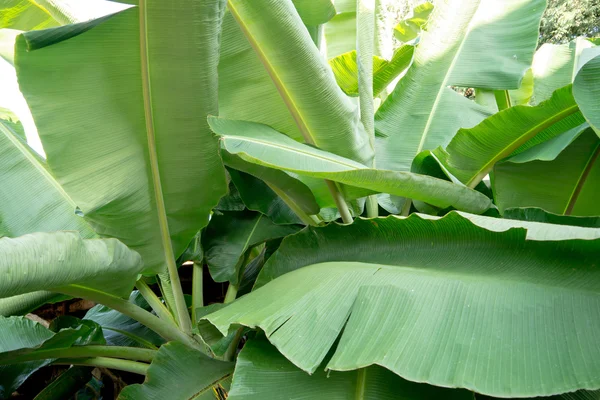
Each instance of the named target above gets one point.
<point>296,194</point>
<point>556,65</point>
<point>540,215</point>
<point>262,145</point>
<point>258,196</point>
<point>131,176</point>
<point>408,29</point>
<point>46,261</point>
<point>423,113</point>
<point>395,288</point>
<point>345,70</point>
<point>285,48</point>
<point>586,89</point>
<point>261,372</point>
<point>24,303</point>
<point>20,336</point>
<point>472,153</point>
<point>178,373</point>
<point>568,184</point>
<point>120,330</point>
<point>550,149</point>
<point>229,235</point>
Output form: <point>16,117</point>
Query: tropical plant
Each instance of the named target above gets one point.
<point>379,235</point>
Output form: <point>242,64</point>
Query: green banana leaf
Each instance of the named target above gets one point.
<point>285,48</point>
<point>132,147</point>
<point>434,300</point>
<point>262,373</point>
<point>257,196</point>
<point>262,145</point>
<point>472,153</point>
<point>488,44</point>
<point>23,337</point>
<point>539,215</point>
<point>586,89</point>
<point>345,70</point>
<point>568,184</point>
<point>178,373</point>
<point>228,236</point>
<point>556,65</point>
<point>550,149</point>
<point>295,193</point>
<point>47,261</point>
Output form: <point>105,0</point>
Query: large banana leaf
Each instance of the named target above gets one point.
<point>46,261</point>
<point>325,116</point>
<point>472,153</point>
<point>434,300</point>
<point>262,373</point>
<point>556,65</point>
<point>488,44</point>
<point>262,145</point>
<point>340,31</point>
<point>132,147</point>
<point>178,373</point>
<point>567,184</point>
<point>586,90</point>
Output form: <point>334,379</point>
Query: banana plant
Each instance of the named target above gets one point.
<point>332,187</point>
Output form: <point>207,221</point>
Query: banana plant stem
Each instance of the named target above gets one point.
<point>164,328</point>
<point>340,202</point>
<point>154,302</point>
<point>105,362</point>
<point>197,291</point>
<point>231,293</point>
<point>126,353</point>
<point>372,207</point>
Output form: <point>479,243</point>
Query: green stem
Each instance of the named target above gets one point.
<point>127,353</point>
<point>502,99</point>
<point>197,293</point>
<point>372,207</point>
<point>105,362</point>
<point>164,328</point>
<point>361,381</point>
<point>406,208</point>
<point>340,202</point>
<point>164,283</point>
<point>231,293</point>
<point>154,302</point>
